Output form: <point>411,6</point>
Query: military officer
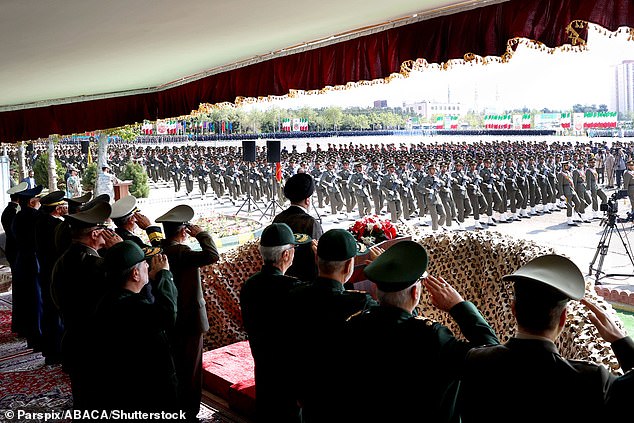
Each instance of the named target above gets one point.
<point>316,173</point>
<point>596,192</point>
<point>446,195</point>
<point>385,331</point>
<point>191,319</point>
<point>418,174</point>
<point>127,217</point>
<point>512,189</point>
<point>201,171</point>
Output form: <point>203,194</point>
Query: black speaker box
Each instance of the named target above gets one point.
<point>84,147</point>
<point>273,151</point>
<point>248,151</point>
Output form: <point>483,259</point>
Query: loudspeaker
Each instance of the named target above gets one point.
<point>84,146</point>
<point>248,151</point>
<point>29,147</point>
<point>273,151</point>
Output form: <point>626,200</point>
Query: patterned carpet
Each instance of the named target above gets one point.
<point>28,384</point>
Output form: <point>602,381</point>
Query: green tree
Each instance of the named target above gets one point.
<point>135,172</point>
<point>89,177</point>
<point>333,117</point>
<point>40,171</point>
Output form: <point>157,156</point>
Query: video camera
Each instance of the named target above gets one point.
<point>612,207</point>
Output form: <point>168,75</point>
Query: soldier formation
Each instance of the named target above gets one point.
<point>441,184</point>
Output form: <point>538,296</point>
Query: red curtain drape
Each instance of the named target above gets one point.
<point>483,31</point>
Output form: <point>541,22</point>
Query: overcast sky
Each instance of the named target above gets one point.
<point>532,78</point>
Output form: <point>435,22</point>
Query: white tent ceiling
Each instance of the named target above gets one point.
<point>58,51</point>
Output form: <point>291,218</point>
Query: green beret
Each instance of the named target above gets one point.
<point>337,245</point>
<point>399,267</point>
<point>278,234</point>
<point>122,256</point>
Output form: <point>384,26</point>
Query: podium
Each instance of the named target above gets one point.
<point>358,280</point>
<point>122,189</point>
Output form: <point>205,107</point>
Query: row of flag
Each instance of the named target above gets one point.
<point>295,125</point>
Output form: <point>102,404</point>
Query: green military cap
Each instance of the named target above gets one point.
<point>97,215</point>
<point>278,234</point>
<point>180,214</point>
<point>338,245</point>
<point>565,162</point>
<point>358,164</point>
<point>299,187</point>
<point>123,207</point>
<point>389,165</point>
<point>430,165</point>
<point>552,270</point>
<point>630,162</point>
<point>54,198</point>
<point>487,159</point>
<point>123,255</point>
<point>17,188</point>
<point>459,162</point>
<point>399,267</point>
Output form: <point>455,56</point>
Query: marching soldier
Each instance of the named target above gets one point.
<point>188,175</point>
<point>329,180</point>
<point>175,173</point>
<point>346,192</point>
<point>534,192</point>
<point>488,187</point>
<point>459,181</point>
<point>521,178</point>
<point>512,189</point>
<point>567,187</point>
<point>500,179</point>
<point>544,172</point>
<point>446,195</point>
<point>579,178</point>
<point>431,185</point>
<point>476,197</point>
<point>316,173</point>
<point>201,171</point>
<point>377,194</point>
<point>231,180</point>
<point>418,174</point>
<point>215,177</point>
<point>592,181</point>
<point>390,185</point>
<point>358,183</point>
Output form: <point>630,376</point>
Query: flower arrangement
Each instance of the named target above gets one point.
<point>372,229</point>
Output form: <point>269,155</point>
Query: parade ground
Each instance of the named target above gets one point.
<point>580,243</point>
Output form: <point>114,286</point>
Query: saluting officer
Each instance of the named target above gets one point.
<point>127,217</point>
<point>385,332</point>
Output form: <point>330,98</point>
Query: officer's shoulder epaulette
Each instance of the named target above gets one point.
<point>427,321</point>
<point>356,291</point>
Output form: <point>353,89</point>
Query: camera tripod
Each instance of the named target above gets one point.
<point>270,210</point>
<point>604,245</point>
<point>248,202</point>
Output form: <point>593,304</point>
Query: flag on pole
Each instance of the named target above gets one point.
<point>278,172</point>
<point>89,159</point>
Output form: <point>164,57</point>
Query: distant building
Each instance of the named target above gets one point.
<point>624,87</point>
<point>427,109</point>
<point>380,104</point>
